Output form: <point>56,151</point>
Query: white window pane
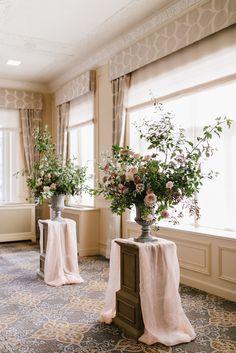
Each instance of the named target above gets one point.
<point>82,149</point>
<point>217,197</point>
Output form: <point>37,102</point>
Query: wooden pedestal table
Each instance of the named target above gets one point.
<point>128,309</point>
<point>142,296</point>
<point>58,252</point>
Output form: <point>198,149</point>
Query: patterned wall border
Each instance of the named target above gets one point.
<point>76,88</point>
<point>199,22</point>
<point>16,99</point>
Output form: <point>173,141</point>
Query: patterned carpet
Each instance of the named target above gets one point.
<point>36,318</point>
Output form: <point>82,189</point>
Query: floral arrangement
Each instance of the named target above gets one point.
<point>50,176</point>
<point>169,176</point>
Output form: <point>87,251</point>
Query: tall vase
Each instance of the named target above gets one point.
<point>57,206</point>
<point>146,225</point>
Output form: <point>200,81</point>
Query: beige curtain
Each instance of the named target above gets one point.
<point>31,119</point>
<point>63,124</point>
<point>120,88</point>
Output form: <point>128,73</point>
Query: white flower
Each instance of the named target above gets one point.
<point>181,159</point>
<point>46,188</point>
<point>129,176</point>
<point>53,186</point>
<point>149,217</point>
<point>139,187</point>
<point>39,182</point>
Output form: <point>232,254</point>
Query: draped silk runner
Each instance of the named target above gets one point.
<point>61,260</point>
<point>163,315</point>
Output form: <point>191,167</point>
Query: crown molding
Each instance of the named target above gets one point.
<point>101,57</point>
<point>24,85</point>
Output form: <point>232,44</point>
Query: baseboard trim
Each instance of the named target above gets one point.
<point>209,288</point>
<point>89,252</point>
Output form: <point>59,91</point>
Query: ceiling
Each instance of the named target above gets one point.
<point>50,37</point>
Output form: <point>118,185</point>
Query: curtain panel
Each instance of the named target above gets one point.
<point>120,88</point>
<point>30,119</point>
<point>63,125</point>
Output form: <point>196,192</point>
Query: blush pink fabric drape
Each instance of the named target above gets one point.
<point>61,261</point>
<point>163,315</point>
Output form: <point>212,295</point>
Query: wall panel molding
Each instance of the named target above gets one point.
<point>194,256</point>
<point>227,266</point>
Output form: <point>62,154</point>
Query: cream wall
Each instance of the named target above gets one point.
<point>47,111</point>
<point>17,222</point>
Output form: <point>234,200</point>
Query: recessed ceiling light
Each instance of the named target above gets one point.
<point>13,62</point>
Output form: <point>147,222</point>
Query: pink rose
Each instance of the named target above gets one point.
<point>136,155</point>
<point>150,199</point>
<point>147,157</point>
<point>137,179</point>
<point>106,167</point>
<point>165,214</point>
<point>125,151</point>
<point>122,189</point>
<point>133,170</point>
<point>169,184</point>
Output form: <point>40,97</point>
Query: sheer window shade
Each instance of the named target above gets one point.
<point>81,110</point>
<point>207,60</point>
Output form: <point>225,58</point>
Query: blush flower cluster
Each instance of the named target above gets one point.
<point>170,175</point>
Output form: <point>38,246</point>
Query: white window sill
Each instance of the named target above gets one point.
<point>16,204</point>
<point>164,229</point>
<point>79,208</point>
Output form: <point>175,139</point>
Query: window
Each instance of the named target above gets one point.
<point>217,197</point>
<point>197,88</point>
<point>11,157</point>
<point>81,142</point>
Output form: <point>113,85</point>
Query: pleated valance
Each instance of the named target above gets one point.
<point>200,20</point>
<point>76,88</point>
<point>17,99</point>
